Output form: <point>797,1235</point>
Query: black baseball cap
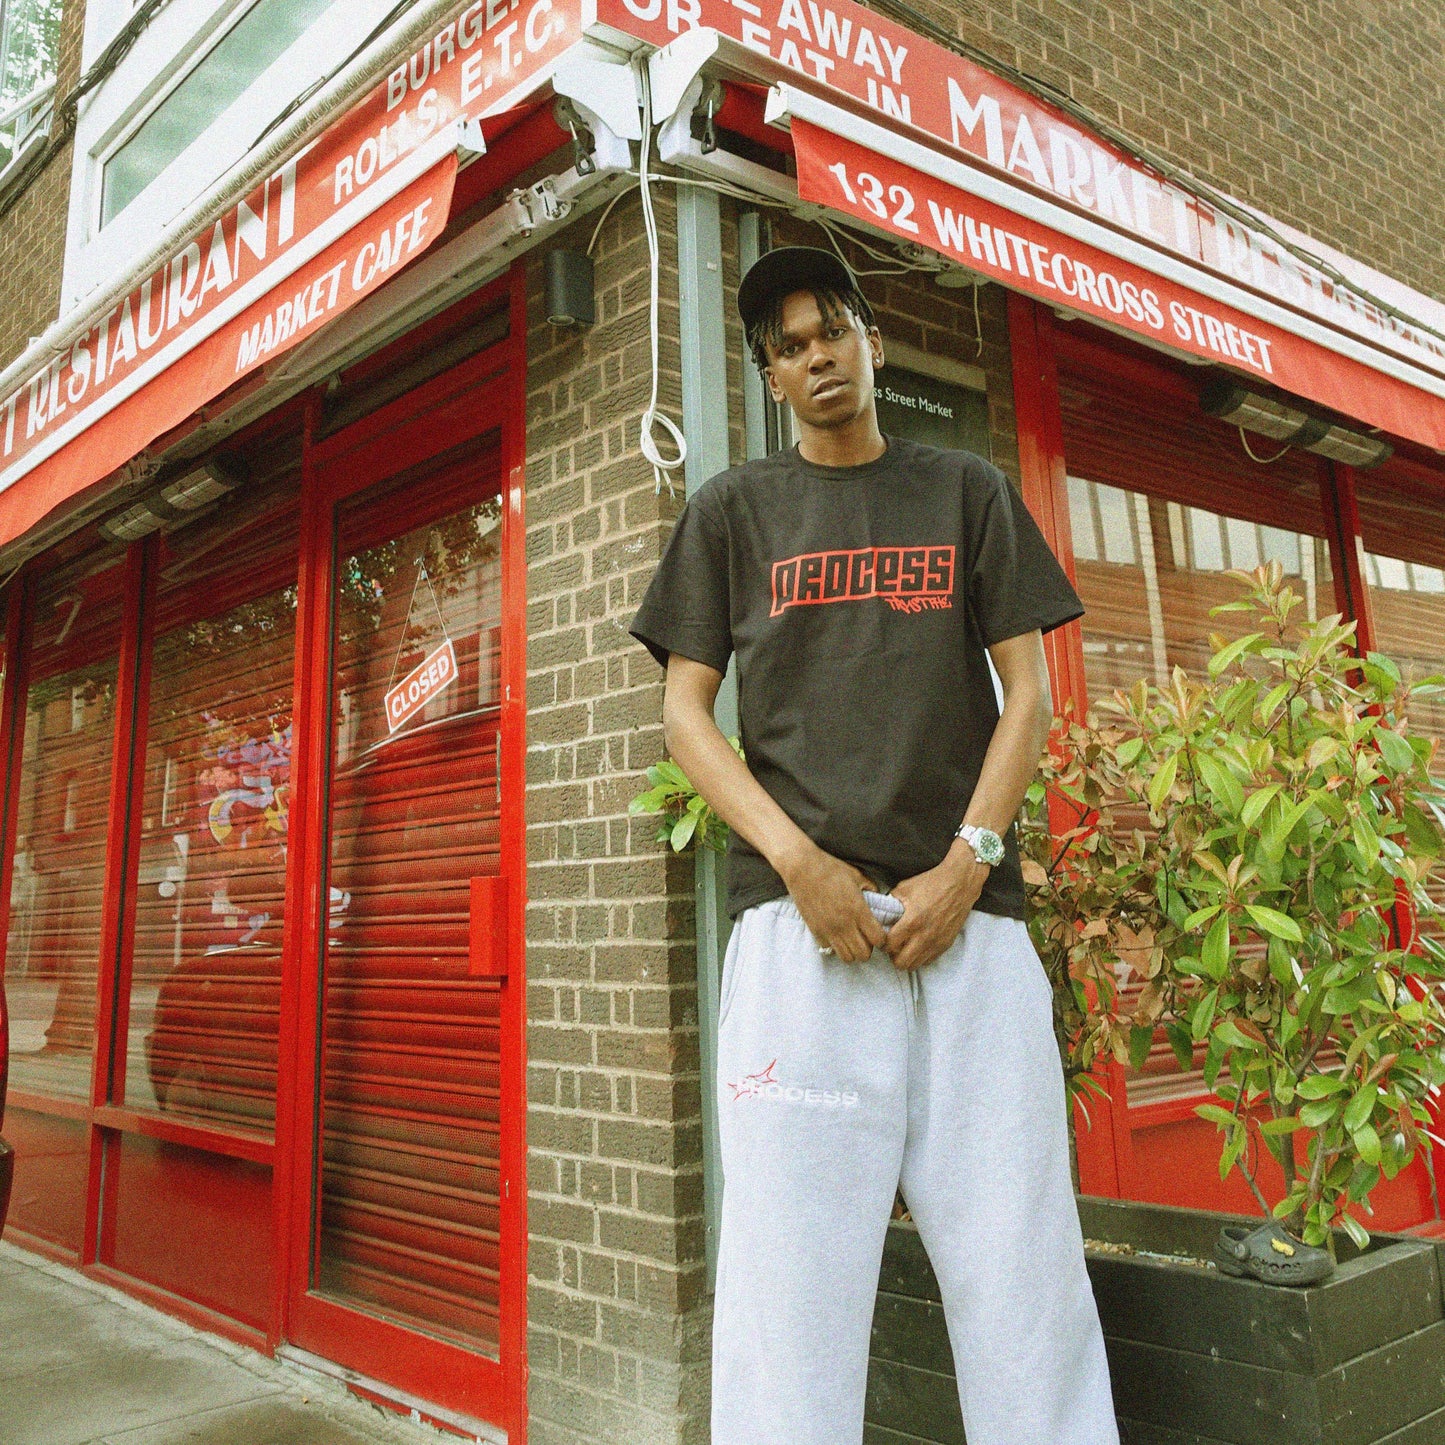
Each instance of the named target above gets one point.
<point>788,269</point>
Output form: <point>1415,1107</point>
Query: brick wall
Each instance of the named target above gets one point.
<point>619,1313</point>
<point>1330,114</point>
<point>32,235</point>
<point>617,1301</point>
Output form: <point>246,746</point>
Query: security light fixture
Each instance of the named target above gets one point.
<point>131,524</point>
<point>1224,398</point>
<point>571,300</point>
<point>198,488</point>
<point>173,501</point>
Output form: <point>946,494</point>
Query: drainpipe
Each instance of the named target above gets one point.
<point>705,424</point>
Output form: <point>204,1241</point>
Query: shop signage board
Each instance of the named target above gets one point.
<point>430,677</point>
<point>325,230</point>
<point>913,83</point>
<point>1030,257</point>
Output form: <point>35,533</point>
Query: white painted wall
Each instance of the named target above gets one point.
<point>170,45</point>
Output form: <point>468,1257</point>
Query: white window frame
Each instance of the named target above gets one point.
<point>175,42</point>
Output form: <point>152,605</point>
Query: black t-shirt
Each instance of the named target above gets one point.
<point>859,601</point>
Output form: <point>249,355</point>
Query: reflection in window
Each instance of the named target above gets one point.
<point>205,988</point>
<point>1149,570</point>
<point>52,958</point>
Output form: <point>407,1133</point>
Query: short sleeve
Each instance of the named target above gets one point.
<point>687,606</point>
<point>1015,582</point>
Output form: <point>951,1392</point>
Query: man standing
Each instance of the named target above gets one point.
<point>863,582</point>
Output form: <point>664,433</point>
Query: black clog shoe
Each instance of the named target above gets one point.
<point>1271,1254</point>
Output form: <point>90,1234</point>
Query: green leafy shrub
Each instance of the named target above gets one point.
<point>1234,849</point>
<point>684,816</point>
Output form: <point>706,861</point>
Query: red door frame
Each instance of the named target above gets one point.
<point>1106,1144</point>
<point>1103,1141</point>
<point>483,394</point>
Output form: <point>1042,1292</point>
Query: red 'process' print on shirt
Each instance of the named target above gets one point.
<point>909,579</point>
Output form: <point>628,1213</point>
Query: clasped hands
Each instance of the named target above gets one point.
<point>828,893</point>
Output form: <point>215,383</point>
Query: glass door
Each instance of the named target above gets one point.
<point>405,1123</point>
<point>407,1223</point>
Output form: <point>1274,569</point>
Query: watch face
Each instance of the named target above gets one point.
<point>989,847</point>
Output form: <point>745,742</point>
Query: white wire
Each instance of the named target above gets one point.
<point>662,467</point>
<point>1254,456</point>
<point>652,418</point>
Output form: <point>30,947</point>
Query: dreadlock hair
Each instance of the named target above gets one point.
<point>768,329</point>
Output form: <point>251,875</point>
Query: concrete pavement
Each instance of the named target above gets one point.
<point>83,1364</point>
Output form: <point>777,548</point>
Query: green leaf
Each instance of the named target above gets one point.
<point>1128,751</point>
<point>1228,791</point>
<point>1395,750</point>
<point>1234,1036</point>
<point>1281,967</point>
<point>1231,651</point>
<point>1320,1112</point>
<point>1367,1143</point>
<point>1204,1016</point>
<point>1363,1179</point>
<point>1182,1045</point>
<point>1215,953</point>
<point>1356,1231</point>
<point>1287,1124</point>
<point>1201,915</point>
<point>1256,803</point>
<point>1320,1086</point>
<point>682,831</point>
<point>1271,920</point>
<point>1272,700</point>
<point>1163,781</point>
<point>1141,1040</point>
<point>1238,1141</point>
<point>1360,1110</point>
<point>1385,664</point>
<point>1216,1115</point>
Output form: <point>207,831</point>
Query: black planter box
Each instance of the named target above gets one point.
<point>1198,1358</point>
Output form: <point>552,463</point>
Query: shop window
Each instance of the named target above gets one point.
<point>52,958</point>
<point>261,36</point>
<point>1402,525</point>
<point>1149,570</point>
<point>205,987</point>
<point>29,46</point>
<point>1163,501</point>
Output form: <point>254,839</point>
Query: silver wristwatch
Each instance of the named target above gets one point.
<point>986,844</point>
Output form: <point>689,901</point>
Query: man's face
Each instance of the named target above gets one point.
<point>822,366</point>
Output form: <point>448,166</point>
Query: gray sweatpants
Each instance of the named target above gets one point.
<point>840,1082</point>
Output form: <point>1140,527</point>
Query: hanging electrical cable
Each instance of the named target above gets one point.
<point>66,113</point>
<point>1254,456</point>
<point>662,467</point>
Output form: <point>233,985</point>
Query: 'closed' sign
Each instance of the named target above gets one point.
<point>429,677</point>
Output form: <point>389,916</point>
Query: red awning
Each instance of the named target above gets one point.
<point>327,229</point>
<point>863,169</point>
